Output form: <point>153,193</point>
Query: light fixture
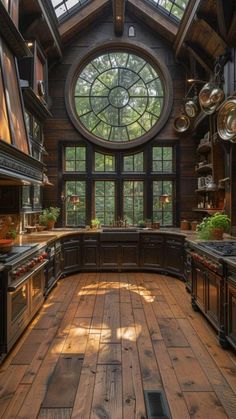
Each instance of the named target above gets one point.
<point>165,198</point>
<point>30,44</point>
<point>72,199</point>
<point>196,81</point>
<point>226,120</point>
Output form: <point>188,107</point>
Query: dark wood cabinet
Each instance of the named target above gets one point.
<point>109,255</point>
<point>71,252</point>
<point>174,255</point>
<point>129,255</point>
<point>188,269</point>
<point>230,315</point>
<point>152,251</point>
<point>90,251</point>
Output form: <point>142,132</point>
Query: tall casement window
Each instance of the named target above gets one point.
<point>119,186</point>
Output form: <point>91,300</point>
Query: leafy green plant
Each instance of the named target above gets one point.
<point>205,228</point>
<point>142,224</point>
<point>219,220</point>
<point>95,223</point>
<point>49,214</point>
<point>12,234</point>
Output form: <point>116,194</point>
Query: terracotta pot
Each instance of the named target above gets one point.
<point>50,224</point>
<point>217,233</point>
<point>184,225</point>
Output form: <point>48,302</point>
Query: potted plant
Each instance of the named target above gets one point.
<point>95,223</point>
<point>49,216</point>
<point>219,223</point>
<point>213,227</point>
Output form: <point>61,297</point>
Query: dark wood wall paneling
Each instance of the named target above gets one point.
<point>59,128</point>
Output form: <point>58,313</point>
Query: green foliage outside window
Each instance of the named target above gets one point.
<point>133,201</point>
<point>173,8</point>
<point>163,212</point>
<point>75,159</point>
<point>104,192</point>
<point>133,163</point>
<point>162,159</point>
<point>104,163</point>
<point>76,214</point>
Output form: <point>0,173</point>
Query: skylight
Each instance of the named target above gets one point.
<point>64,8</point>
<point>172,8</point>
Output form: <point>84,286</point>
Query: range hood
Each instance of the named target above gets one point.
<point>17,167</point>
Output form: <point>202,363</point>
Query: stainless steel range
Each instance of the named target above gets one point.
<point>22,283</point>
<point>221,248</point>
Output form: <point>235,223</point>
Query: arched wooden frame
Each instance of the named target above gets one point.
<point>143,52</point>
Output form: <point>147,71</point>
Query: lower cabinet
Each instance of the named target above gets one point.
<point>174,255</point>
<point>90,251</point>
<point>129,255</point>
<point>152,251</point>
<point>119,255</point>
<point>230,318</point>
<point>109,255</point>
<point>71,251</point>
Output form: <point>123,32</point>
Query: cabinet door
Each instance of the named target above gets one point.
<point>90,256</point>
<point>174,257</point>
<point>213,283</point>
<point>129,255</point>
<point>71,250</point>
<point>109,255</point>
<point>199,285</point>
<point>231,312</point>
<point>58,265</point>
<point>152,251</point>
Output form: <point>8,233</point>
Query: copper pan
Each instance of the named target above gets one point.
<point>210,97</point>
<point>226,120</point>
<point>181,123</point>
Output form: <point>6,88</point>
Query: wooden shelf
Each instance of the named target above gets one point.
<point>205,190</point>
<point>206,168</point>
<point>35,104</point>
<point>204,147</point>
<point>208,210</point>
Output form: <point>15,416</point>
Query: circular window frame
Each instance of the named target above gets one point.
<point>131,48</point>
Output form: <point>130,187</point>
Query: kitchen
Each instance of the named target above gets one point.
<point>121,135</point>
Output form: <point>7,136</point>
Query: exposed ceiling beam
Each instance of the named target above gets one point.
<point>186,24</point>
<point>82,18</point>
<point>231,36</point>
<point>153,18</point>
<point>220,9</point>
<point>119,16</point>
<point>200,56</point>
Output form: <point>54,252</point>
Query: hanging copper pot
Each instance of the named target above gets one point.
<point>226,120</point>
<point>210,97</point>
<point>181,123</point>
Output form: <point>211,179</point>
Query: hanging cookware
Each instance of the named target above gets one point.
<point>191,107</point>
<point>181,123</point>
<point>210,97</point>
<point>226,120</point>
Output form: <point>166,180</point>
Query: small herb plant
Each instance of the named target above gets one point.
<point>208,224</point>
<point>49,214</point>
<point>219,220</point>
<point>95,223</point>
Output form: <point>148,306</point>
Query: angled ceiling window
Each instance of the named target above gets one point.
<point>64,8</point>
<point>172,8</point>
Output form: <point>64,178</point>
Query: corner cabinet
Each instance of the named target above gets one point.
<point>71,254</point>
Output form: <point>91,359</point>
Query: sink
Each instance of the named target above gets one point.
<point>119,229</point>
<point>116,235</point>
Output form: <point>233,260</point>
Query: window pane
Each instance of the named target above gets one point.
<point>133,201</point>
<point>162,159</point>
<point>105,201</point>
<point>104,163</point>
<point>75,214</point>
<point>163,212</point>
<point>75,159</point>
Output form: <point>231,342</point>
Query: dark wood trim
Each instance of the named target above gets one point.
<point>186,24</point>
<point>201,57</point>
<point>34,104</point>
<point>144,52</point>
<point>82,18</point>
<point>118,16</point>
<point>156,20</point>
<point>11,35</point>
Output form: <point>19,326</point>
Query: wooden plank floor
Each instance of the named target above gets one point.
<point>102,339</point>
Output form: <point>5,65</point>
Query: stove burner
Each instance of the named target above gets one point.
<point>15,252</point>
<point>222,248</point>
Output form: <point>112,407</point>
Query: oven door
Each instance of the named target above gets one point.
<point>37,285</point>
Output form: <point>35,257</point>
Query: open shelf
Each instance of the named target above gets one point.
<point>208,210</point>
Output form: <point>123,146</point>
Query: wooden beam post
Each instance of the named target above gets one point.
<point>119,16</point>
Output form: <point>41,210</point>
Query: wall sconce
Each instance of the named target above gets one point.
<point>165,198</point>
<point>131,31</point>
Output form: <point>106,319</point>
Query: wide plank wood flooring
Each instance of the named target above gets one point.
<point>102,339</point>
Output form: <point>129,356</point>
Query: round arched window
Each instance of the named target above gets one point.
<point>119,97</point>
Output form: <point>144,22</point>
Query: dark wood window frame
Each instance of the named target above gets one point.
<point>147,176</point>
